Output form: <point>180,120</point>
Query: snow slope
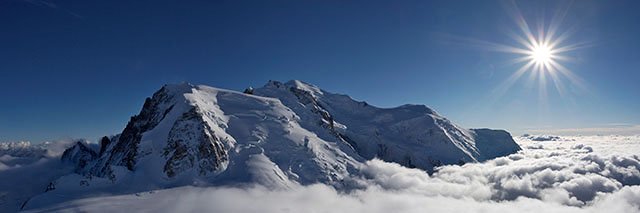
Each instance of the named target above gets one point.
<point>282,135</point>
<point>412,135</point>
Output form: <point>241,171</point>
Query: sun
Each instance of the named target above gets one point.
<point>541,54</point>
<point>541,51</point>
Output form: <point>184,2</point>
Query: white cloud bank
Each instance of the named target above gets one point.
<point>26,169</point>
<point>322,198</point>
<point>582,174</point>
<point>609,129</point>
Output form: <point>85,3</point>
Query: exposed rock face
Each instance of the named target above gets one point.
<point>248,90</point>
<point>192,143</point>
<point>123,150</point>
<point>79,155</point>
<point>104,142</point>
<point>154,110</point>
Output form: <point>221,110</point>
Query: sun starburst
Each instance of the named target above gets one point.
<point>541,51</point>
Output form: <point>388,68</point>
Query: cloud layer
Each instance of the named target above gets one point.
<point>579,174</point>
<point>26,169</point>
<point>608,129</point>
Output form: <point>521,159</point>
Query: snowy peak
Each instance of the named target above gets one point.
<point>185,132</point>
<point>170,126</point>
<point>21,149</point>
<point>125,151</point>
<point>300,85</point>
<point>279,134</point>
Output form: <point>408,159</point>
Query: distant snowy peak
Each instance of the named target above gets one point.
<point>21,149</point>
<point>277,134</point>
<point>25,149</point>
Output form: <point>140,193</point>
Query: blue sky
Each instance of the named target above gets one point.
<point>82,68</point>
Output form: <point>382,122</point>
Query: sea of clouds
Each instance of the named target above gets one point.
<point>26,168</point>
<point>568,174</point>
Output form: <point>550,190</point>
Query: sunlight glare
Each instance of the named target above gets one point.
<point>541,54</point>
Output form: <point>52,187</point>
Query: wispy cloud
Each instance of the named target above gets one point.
<point>51,5</point>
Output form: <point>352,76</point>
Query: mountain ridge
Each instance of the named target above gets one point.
<point>277,136</point>
<point>314,108</point>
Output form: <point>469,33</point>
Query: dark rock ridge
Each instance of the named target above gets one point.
<point>123,150</point>
<point>79,156</point>
<point>207,154</point>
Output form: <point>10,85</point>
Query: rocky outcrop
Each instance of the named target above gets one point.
<point>192,144</point>
<point>155,108</point>
<point>123,150</point>
<point>104,142</point>
<point>80,155</point>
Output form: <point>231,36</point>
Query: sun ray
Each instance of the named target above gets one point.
<point>571,47</point>
<point>561,38</point>
<point>486,45</point>
<point>554,25</point>
<point>542,84</point>
<point>523,41</point>
<point>573,78</point>
<point>563,58</point>
<point>519,60</point>
<point>506,85</point>
<point>557,83</point>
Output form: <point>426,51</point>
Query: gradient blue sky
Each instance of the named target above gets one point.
<point>82,68</point>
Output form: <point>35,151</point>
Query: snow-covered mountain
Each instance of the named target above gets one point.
<point>412,135</point>
<point>276,135</point>
<point>187,131</point>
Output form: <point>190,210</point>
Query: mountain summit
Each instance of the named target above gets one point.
<point>276,135</point>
